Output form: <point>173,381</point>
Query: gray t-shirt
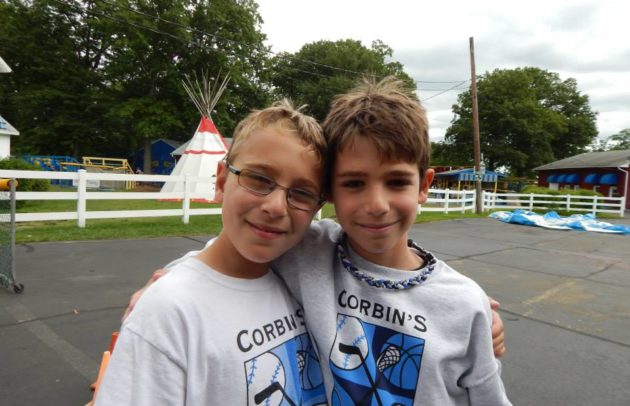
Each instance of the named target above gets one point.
<point>427,345</point>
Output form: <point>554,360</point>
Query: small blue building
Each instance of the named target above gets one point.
<point>465,178</point>
<point>162,162</point>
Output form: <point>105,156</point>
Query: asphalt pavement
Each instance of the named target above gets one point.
<point>565,299</point>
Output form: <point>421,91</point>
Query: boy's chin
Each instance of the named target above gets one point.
<point>262,255</point>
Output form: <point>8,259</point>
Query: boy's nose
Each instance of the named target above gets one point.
<point>376,203</point>
<point>275,203</point>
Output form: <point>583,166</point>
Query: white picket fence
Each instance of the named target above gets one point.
<point>440,200</point>
<point>82,194</point>
<point>538,202</point>
<point>446,201</point>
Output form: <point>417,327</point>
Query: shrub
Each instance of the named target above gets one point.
<point>25,185</point>
<point>563,192</point>
<point>560,205</point>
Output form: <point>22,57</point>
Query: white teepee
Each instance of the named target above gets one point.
<point>206,148</point>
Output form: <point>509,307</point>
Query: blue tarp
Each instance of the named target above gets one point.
<point>583,222</point>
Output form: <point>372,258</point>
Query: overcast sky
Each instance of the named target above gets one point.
<point>588,40</point>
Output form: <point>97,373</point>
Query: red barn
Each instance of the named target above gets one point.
<point>605,172</point>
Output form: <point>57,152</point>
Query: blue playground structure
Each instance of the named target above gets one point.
<point>55,163</point>
<point>63,163</point>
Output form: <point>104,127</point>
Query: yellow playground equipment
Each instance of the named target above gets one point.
<point>104,165</point>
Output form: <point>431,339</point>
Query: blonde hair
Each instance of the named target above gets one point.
<point>387,114</point>
<point>283,115</point>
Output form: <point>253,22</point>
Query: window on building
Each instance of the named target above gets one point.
<point>612,192</point>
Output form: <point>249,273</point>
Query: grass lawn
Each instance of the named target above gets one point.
<point>142,227</point>
<point>152,227</point>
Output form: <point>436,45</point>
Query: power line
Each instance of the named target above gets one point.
<point>442,90</point>
<point>446,90</point>
<point>189,28</point>
<point>236,43</point>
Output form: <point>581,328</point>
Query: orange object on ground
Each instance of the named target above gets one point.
<point>101,372</point>
<point>104,362</point>
<point>112,341</point>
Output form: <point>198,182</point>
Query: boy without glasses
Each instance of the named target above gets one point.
<point>221,328</point>
<point>392,324</point>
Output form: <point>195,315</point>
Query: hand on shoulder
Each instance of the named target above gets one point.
<point>138,293</point>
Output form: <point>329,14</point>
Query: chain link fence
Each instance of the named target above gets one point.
<point>7,236</point>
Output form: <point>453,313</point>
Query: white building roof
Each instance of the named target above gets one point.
<point>4,68</point>
<point>6,128</point>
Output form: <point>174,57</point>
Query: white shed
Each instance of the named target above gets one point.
<point>4,68</point>
<point>6,132</point>
<point>6,129</point>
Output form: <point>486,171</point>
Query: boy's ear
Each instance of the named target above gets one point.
<point>219,187</point>
<point>425,183</point>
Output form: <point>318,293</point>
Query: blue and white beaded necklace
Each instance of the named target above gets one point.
<point>427,257</point>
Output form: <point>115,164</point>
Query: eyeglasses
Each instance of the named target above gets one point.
<point>262,185</point>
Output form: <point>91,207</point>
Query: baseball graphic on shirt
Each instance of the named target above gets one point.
<point>265,380</point>
<point>350,347</point>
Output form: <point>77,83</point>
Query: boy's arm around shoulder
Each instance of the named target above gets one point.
<point>483,383</point>
<point>312,255</point>
<point>485,388</point>
<point>154,277</point>
<point>319,240</point>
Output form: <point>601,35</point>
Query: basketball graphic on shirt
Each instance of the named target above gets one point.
<point>308,363</point>
<point>400,359</point>
<point>350,344</point>
<point>265,376</point>
<point>373,364</point>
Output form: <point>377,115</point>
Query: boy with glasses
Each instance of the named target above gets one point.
<point>261,185</point>
<point>220,328</point>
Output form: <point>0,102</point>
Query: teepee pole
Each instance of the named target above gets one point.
<point>204,96</point>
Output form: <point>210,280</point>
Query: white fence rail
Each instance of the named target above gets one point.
<point>446,201</point>
<point>82,195</point>
<point>573,203</point>
<point>440,200</point>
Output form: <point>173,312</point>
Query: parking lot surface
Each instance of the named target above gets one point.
<point>565,299</point>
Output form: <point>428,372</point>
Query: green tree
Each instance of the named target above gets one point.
<point>55,95</point>
<point>440,154</point>
<point>160,41</point>
<point>323,69</point>
<point>103,77</point>
<point>618,141</point>
<point>527,117</point>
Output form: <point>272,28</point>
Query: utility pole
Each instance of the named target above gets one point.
<point>475,117</point>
